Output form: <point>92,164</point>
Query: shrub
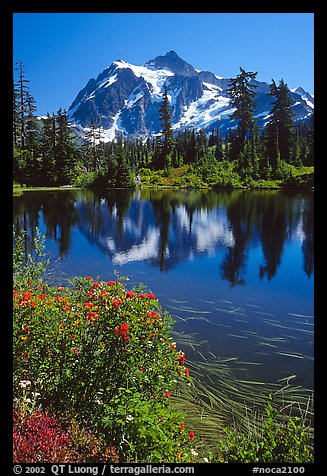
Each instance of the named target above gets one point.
<point>95,348</point>
<point>84,179</point>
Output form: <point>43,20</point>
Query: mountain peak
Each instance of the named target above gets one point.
<point>173,62</point>
<point>127,98</point>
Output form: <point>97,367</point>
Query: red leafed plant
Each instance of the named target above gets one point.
<point>39,438</point>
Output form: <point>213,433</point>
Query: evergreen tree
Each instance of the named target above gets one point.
<point>16,126</point>
<point>48,150</point>
<point>191,150</point>
<point>92,146</point>
<point>242,92</point>
<point>295,154</point>
<point>310,156</point>
<point>21,95</point>
<point>32,146</point>
<point>202,144</point>
<point>167,132</point>
<point>280,126</point>
<point>65,153</point>
<point>124,175</point>
<point>31,132</point>
<point>26,166</point>
<point>272,149</point>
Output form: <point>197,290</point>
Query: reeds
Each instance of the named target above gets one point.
<point>217,398</point>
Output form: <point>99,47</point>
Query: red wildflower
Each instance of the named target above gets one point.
<point>90,293</point>
<point>88,278</point>
<point>67,308</point>
<point>182,426</point>
<point>151,296</point>
<point>187,371</point>
<point>60,288</point>
<point>116,302</point>
<point>122,331</point>
<point>142,369</point>
<point>30,281</point>
<point>191,435</point>
<point>130,294</point>
<point>75,350</point>
<point>143,296</point>
<point>42,296</point>
<point>167,394</point>
<point>92,316</point>
<point>96,284</point>
<point>15,293</point>
<point>152,314</point>
<point>112,283</point>
<point>88,304</point>
<point>32,304</point>
<point>182,358</point>
<point>27,296</point>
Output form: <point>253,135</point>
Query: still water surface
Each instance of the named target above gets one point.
<point>234,268</point>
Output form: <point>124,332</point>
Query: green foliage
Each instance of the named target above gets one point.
<point>277,440</point>
<point>218,174</point>
<point>84,179</point>
<point>151,177</point>
<point>299,178</point>
<point>28,266</point>
<point>148,430</point>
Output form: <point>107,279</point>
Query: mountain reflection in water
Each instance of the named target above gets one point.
<point>164,228</point>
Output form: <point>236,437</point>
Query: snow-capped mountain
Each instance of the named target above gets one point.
<point>126,98</point>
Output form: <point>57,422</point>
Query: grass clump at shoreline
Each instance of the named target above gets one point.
<point>98,376</point>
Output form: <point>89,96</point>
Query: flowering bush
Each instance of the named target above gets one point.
<point>106,353</point>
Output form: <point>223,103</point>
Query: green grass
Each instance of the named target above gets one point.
<point>19,189</point>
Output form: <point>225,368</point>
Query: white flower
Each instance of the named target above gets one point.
<point>206,460</point>
<point>24,383</point>
<point>129,418</point>
<point>194,453</point>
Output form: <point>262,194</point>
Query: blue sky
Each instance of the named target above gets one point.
<point>62,51</point>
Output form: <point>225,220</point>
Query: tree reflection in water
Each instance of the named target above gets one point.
<point>165,227</point>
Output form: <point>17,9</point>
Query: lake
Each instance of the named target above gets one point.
<point>234,268</point>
